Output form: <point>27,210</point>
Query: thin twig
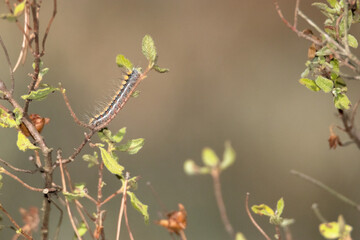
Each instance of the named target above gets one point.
<point>346,11</point>
<point>66,200</point>
<point>120,190</point>
<point>2,170</point>
<point>17,169</point>
<point>182,235</point>
<point>9,64</point>
<point>72,113</point>
<point>278,233</point>
<point>288,235</point>
<point>252,219</point>
<point>328,189</point>
<point>25,43</point>
<point>349,128</point>
<point>215,173</point>
<point>48,27</point>
<point>127,222</point>
<point>318,214</point>
<point>296,13</point>
<point>18,228</point>
<point>123,205</point>
<point>57,231</point>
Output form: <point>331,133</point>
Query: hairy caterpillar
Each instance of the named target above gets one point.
<point>128,85</point>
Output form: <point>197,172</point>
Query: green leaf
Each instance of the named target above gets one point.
<point>325,51</point>
<point>8,16</point>
<point>352,41</point>
<point>263,209</point>
<point>332,2</point>
<point>305,73</point>
<point>240,236</point>
<point>118,137</point>
<point>339,83</point>
<point>310,84</point>
<point>81,230</point>
<point>79,192</point>
<point>280,207</point>
<point>325,84</point>
<point>190,167</point>
<point>135,94</point>
<point>331,230</point>
<point>40,94</point>
<point>132,146</point>
<point>122,61</point>
<point>42,73</point>
<point>19,8</point>
<point>23,143</point>
<point>229,156</point>
<point>210,158</point>
<point>1,184</point>
<point>8,121</point>
<point>341,101</point>
<point>111,163</point>
<point>148,49</point>
<point>91,159</point>
<point>106,136</point>
<point>335,66</point>
<point>139,206</point>
<point>160,70</point>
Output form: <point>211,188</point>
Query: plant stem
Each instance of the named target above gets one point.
<point>215,173</point>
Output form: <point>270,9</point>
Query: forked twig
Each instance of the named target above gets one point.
<point>17,169</point>
<point>2,170</point>
<point>253,220</point>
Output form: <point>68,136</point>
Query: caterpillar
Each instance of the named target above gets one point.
<point>127,87</point>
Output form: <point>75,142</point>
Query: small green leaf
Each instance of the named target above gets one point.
<point>23,143</point>
<point>40,94</point>
<point>42,73</point>
<point>40,65</point>
<point>280,207</point>
<point>229,156</point>
<point>325,84</point>
<point>332,2</point>
<point>106,136</point>
<point>160,70</point>
<point>81,230</point>
<point>91,159</point>
<point>148,49</point>
<point>325,51</point>
<point>341,101</point>
<point>352,41</point>
<point>310,84</point>
<point>335,66</point>
<point>118,137</point>
<point>190,167</point>
<point>263,209</point>
<point>79,192</point>
<point>205,170</point>
<point>135,94</point>
<point>324,7</point>
<point>132,146</point>
<point>210,158</point>
<point>122,61</point>
<point>339,83</point>
<point>139,206</point>
<point>240,236</point>
<point>19,8</point>
<point>305,73</point>
<point>111,163</point>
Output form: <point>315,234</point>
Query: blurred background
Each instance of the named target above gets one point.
<point>234,71</point>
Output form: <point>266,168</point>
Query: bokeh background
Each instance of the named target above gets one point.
<point>234,76</point>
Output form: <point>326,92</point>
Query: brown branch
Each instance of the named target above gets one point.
<point>253,220</point>
<point>17,169</point>
<point>25,42</point>
<point>112,196</point>
<point>349,128</point>
<point>215,173</point>
<point>2,170</point>
<point>18,228</point>
<point>48,27</point>
<point>278,233</point>
<point>72,113</point>
<point>123,205</point>
<point>9,64</point>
